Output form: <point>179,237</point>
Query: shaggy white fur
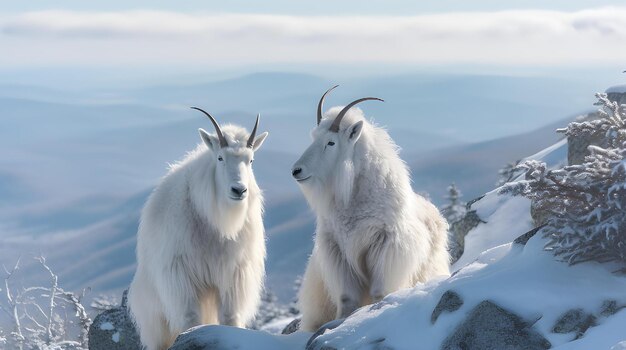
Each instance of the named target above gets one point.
<point>374,234</point>
<point>200,251</point>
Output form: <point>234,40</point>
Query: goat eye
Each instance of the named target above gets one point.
<point>220,158</point>
<point>251,160</point>
<point>330,143</point>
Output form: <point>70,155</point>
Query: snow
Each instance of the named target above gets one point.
<point>107,326</point>
<point>116,337</point>
<point>499,228</point>
<point>619,346</point>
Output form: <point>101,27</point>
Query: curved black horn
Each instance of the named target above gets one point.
<point>253,135</point>
<point>335,126</point>
<point>218,130</point>
<point>320,105</point>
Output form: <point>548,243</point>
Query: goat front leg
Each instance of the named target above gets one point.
<point>241,299</point>
<point>350,298</point>
<point>391,270</point>
<point>351,291</point>
<point>343,283</point>
<point>179,298</point>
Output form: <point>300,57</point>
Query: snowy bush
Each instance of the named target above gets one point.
<point>454,211</point>
<point>585,204</point>
<point>508,173</point>
<point>271,309</point>
<point>42,317</point>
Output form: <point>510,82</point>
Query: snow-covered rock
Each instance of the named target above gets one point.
<point>226,338</point>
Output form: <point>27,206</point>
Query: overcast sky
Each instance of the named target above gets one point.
<point>242,33</point>
<point>309,7</point>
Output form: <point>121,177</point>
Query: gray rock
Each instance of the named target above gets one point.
<point>461,228</point>
<point>574,320</point>
<point>523,239</point>
<point>312,344</point>
<point>450,301</point>
<point>114,330</point>
<point>293,326</point>
<point>610,308</point>
<point>578,145</point>
<point>490,327</point>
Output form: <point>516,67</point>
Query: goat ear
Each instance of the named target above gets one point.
<point>259,141</point>
<point>354,131</point>
<point>210,141</point>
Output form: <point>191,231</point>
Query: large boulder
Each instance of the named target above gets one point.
<point>490,327</point>
<point>114,329</point>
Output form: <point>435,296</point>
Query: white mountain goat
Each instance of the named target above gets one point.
<point>201,244</point>
<point>374,234</point>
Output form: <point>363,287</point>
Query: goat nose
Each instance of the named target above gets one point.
<point>296,171</point>
<point>239,191</point>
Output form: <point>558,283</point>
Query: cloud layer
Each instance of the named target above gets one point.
<point>132,37</point>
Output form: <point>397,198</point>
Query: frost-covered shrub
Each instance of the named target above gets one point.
<point>271,309</point>
<point>585,204</point>
<point>40,317</point>
<point>508,173</point>
<point>454,211</point>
